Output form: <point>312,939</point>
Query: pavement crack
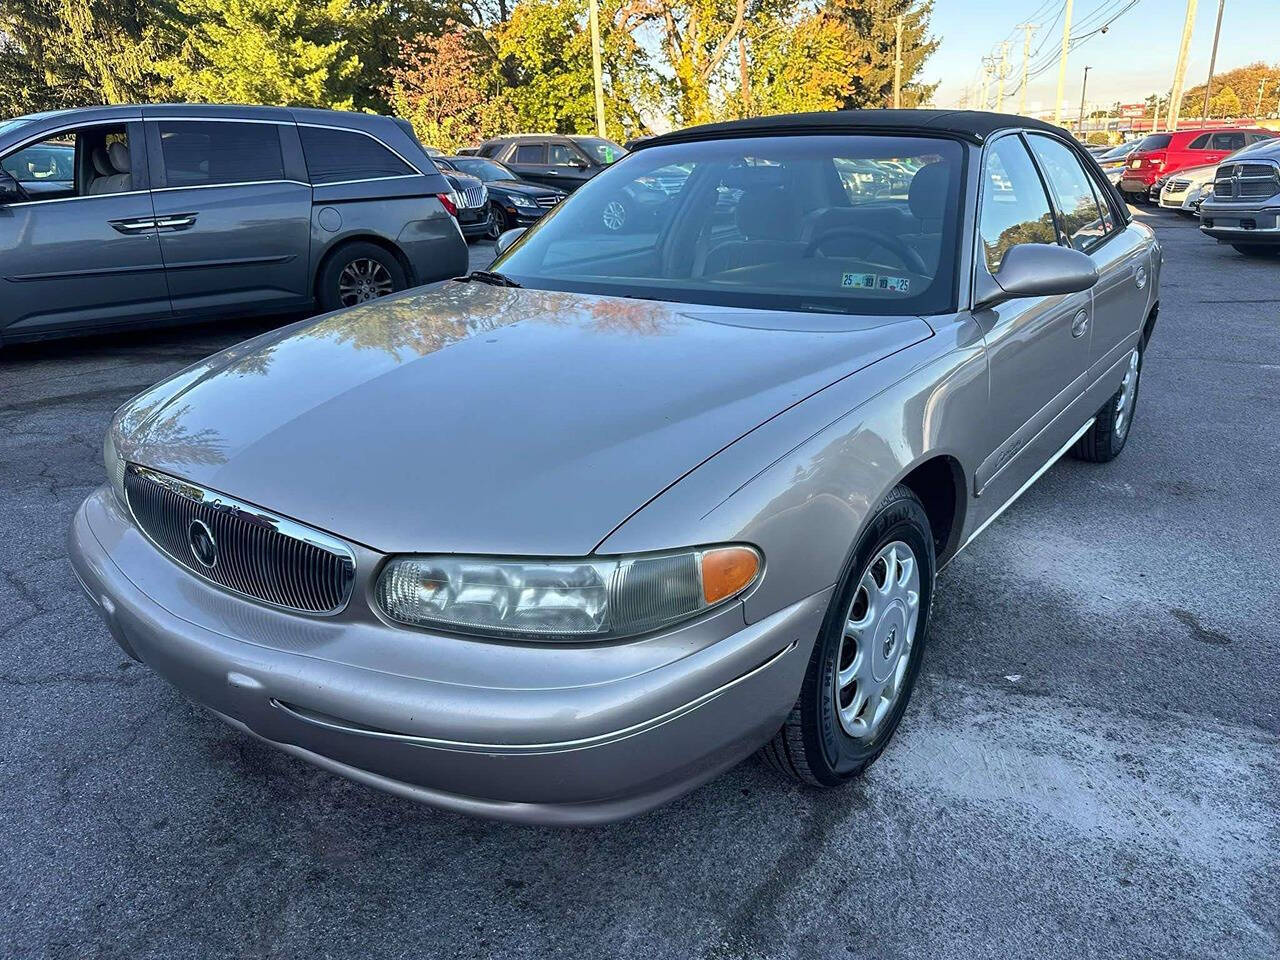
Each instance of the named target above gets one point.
<point>1198,630</point>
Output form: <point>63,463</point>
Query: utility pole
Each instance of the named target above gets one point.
<point>744,80</point>
<point>1257,107</point>
<point>1084,85</point>
<point>593,9</point>
<point>1180,71</point>
<point>1213,61</point>
<point>1062,63</point>
<point>1004,72</point>
<point>988,68</point>
<point>1030,28</point>
<point>897,63</point>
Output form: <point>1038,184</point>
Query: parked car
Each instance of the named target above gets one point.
<point>1184,191</point>
<point>1243,206</point>
<point>1167,153</point>
<point>514,202</point>
<point>181,212</point>
<point>551,159</point>
<point>1115,160</point>
<point>560,540</point>
<point>469,200</point>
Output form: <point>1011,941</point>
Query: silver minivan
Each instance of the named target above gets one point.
<point>140,215</point>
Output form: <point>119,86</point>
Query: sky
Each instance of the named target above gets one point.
<point>1134,58</point>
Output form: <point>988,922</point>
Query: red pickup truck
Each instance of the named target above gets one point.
<point>1162,153</point>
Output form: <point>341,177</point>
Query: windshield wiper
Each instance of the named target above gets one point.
<point>492,277</point>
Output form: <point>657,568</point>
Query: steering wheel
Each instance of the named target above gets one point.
<point>909,257</point>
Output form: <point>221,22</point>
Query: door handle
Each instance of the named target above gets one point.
<point>134,225</point>
<point>176,221</point>
<point>1080,324</point>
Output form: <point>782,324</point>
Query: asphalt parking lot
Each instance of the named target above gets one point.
<point>1090,765</point>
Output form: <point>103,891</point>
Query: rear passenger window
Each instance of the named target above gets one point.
<point>201,153</point>
<point>339,156</point>
<point>1227,141</point>
<point>1014,206</point>
<point>531,153</point>
<point>1081,216</point>
<point>1199,143</point>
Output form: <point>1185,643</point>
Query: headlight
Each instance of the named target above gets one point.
<point>573,599</point>
<point>523,201</point>
<point>114,465</point>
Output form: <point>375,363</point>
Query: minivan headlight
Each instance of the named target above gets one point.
<point>590,598</point>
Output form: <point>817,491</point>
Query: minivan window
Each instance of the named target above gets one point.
<point>759,222</point>
<point>50,161</point>
<point>340,156</point>
<point>1015,208</point>
<point>1081,216</point>
<point>74,163</point>
<point>1155,141</point>
<point>202,153</point>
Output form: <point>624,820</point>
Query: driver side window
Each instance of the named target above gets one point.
<point>563,155</point>
<point>1015,208</point>
<point>72,163</point>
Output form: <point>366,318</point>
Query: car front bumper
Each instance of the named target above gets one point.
<point>535,733</point>
<point>1243,223</point>
<point>475,221</point>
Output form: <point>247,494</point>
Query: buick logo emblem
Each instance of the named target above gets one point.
<point>203,546</point>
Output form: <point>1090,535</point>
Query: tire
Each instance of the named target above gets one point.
<point>1253,250</point>
<point>814,745</point>
<point>500,223</point>
<point>1114,422</point>
<point>375,272</point>
<point>613,215</point>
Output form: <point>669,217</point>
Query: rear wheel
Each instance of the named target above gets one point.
<point>357,273</point>
<point>1106,438</point>
<point>867,657</point>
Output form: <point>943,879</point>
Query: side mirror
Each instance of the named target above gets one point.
<point>10,190</point>
<point>507,238</point>
<point>1036,270</point>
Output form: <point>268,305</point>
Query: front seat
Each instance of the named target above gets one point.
<point>113,169</point>
<point>927,200</point>
<point>769,223</point>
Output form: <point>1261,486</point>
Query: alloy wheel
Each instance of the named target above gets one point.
<point>614,215</point>
<point>880,630</point>
<point>362,280</point>
<point>1128,395</point>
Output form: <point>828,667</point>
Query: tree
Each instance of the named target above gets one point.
<point>795,65</point>
<point>872,23</point>
<point>1224,103</point>
<point>433,86</point>
<point>1244,83</point>
<point>286,52</point>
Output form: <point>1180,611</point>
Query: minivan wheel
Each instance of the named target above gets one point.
<point>866,659</point>
<point>358,273</point>
<point>1106,438</point>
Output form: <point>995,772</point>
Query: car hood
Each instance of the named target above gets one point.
<point>523,186</point>
<point>474,418</point>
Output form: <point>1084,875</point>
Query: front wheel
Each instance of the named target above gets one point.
<point>357,273</point>
<point>498,223</point>
<point>866,659</point>
<point>1106,438</point>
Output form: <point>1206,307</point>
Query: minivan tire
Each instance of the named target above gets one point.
<point>813,746</point>
<point>372,270</point>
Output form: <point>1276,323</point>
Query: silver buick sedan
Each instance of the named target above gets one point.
<point>558,541</point>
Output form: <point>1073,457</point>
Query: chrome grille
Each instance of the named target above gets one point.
<point>1178,186</point>
<point>547,201</point>
<point>475,197</point>
<point>1245,181</point>
<point>256,554</point>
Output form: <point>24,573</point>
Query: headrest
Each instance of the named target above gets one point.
<point>927,196</point>
<point>767,213</point>
<point>119,155</point>
<point>101,164</point>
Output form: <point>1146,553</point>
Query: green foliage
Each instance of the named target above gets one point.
<point>805,64</point>
<point>289,52</point>
<point>872,28</point>
<point>1235,93</point>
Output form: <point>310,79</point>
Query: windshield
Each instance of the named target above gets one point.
<point>600,150</point>
<point>1155,141</point>
<point>1121,151</point>
<point>483,168</point>
<point>837,224</point>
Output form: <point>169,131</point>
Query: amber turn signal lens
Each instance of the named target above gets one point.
<point>726,571</point>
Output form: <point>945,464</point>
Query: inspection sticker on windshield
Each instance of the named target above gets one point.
<point>858,281</point>
<point>896,284</point>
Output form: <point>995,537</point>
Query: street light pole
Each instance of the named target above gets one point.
<point>1213,61</point>
<point>1062,63</point>
<point>593,14</point>
<point>1084,84</point>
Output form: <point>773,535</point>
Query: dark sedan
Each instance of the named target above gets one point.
<point>514,202</point>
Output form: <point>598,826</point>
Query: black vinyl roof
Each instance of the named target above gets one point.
<point>972,125</point>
